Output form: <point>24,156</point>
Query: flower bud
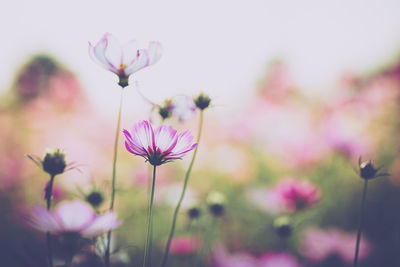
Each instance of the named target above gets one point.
<point>202,101</point>
<point>54,161</point>
<point>282,226</point>
<point>194,213</point>
<point>165,109</point>
<point>95,198</point>
<point>216,204</point>
<point>367,170</point>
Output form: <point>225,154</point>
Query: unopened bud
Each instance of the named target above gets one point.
<point>202,101</point>
<point>283,226</point>
<point>54,161</point>
<point>194,213</point>
<point>216,204</point>
<point>95,198</point>
<point>367,170</point>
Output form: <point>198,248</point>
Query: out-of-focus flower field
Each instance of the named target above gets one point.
<point>276,182</point>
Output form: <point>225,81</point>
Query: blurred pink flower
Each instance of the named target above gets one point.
<point>318,244</point>
<point>297,194</point>
<point>182,107</point>
<point>343,130</point>
<point>160,146</point>
<point>278,82</point>
<point>222,258</point>
<point>123,60</point>
<point>73,216</point>
<point>267,199</point>
<point>278,259</point>
<point>288,131</point>
<point>184,245</point>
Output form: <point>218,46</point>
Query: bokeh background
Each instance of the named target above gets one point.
<point>300,90</point>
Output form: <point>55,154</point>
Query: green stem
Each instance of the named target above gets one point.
<point>49,194</point>
<point>114,171</point>
<point>363,204</point>
<point>147,248</point>
<point>187,175</point>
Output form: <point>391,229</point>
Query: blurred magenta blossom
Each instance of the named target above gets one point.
<point>73,216</point>
<point>318,245</point>
<point>124,60</point>
<point>222,258</point>
<point>297,194</point>
<point>160,146</point>
<point>289,194</point>
<point>182,245</point>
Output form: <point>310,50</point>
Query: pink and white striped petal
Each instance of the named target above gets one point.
<point>143,134</point>
<point>141,61</point>
<point>113,51</point>
<point>165,138</point>
<point>184,144</point>
<point>130,50</point>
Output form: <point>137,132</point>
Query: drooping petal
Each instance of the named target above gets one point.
<point>165,138</point>
<point>184,144</point>
<point>43,220</point>
<point>74,216</point>
<point>98,54</point>
<point>101,224</point>
<point>143,134</point>
<point>141,61</point>
<point>129,51</point>
<point>154,51</point>
<point>113,51</point>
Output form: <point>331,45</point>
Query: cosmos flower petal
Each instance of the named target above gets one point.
<point>75,215</point>
<point>165,138</point>
<point>132,146</point>
<point>43,220</point>
<point>113,51</point>
<point>143,135</point>
<point>142,60</point>
<point>100,59</point>
<point>123,60</point>
<point>130,52</point>
<point>98,52</point>
<point>101,224</point>
<point>184,144</point>
<point>154,51</point>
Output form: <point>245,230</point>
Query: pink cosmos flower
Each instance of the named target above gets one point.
<point>158,146</point>
<point>318,245</point>
<point>73,216</point>
<point>222,258</point>
<point>184,245</point>
<point>297,194</point>
<point>123,60</point>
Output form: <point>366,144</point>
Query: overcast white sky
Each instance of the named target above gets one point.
<point>218,46</point>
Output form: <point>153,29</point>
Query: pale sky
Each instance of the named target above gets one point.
<point>221,47</point>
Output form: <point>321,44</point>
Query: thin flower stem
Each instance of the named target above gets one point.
<point>49,193</point>
<point>363,204</point>
<point>114,171</point>
<point>147,248</point>
<point>187,175</point>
